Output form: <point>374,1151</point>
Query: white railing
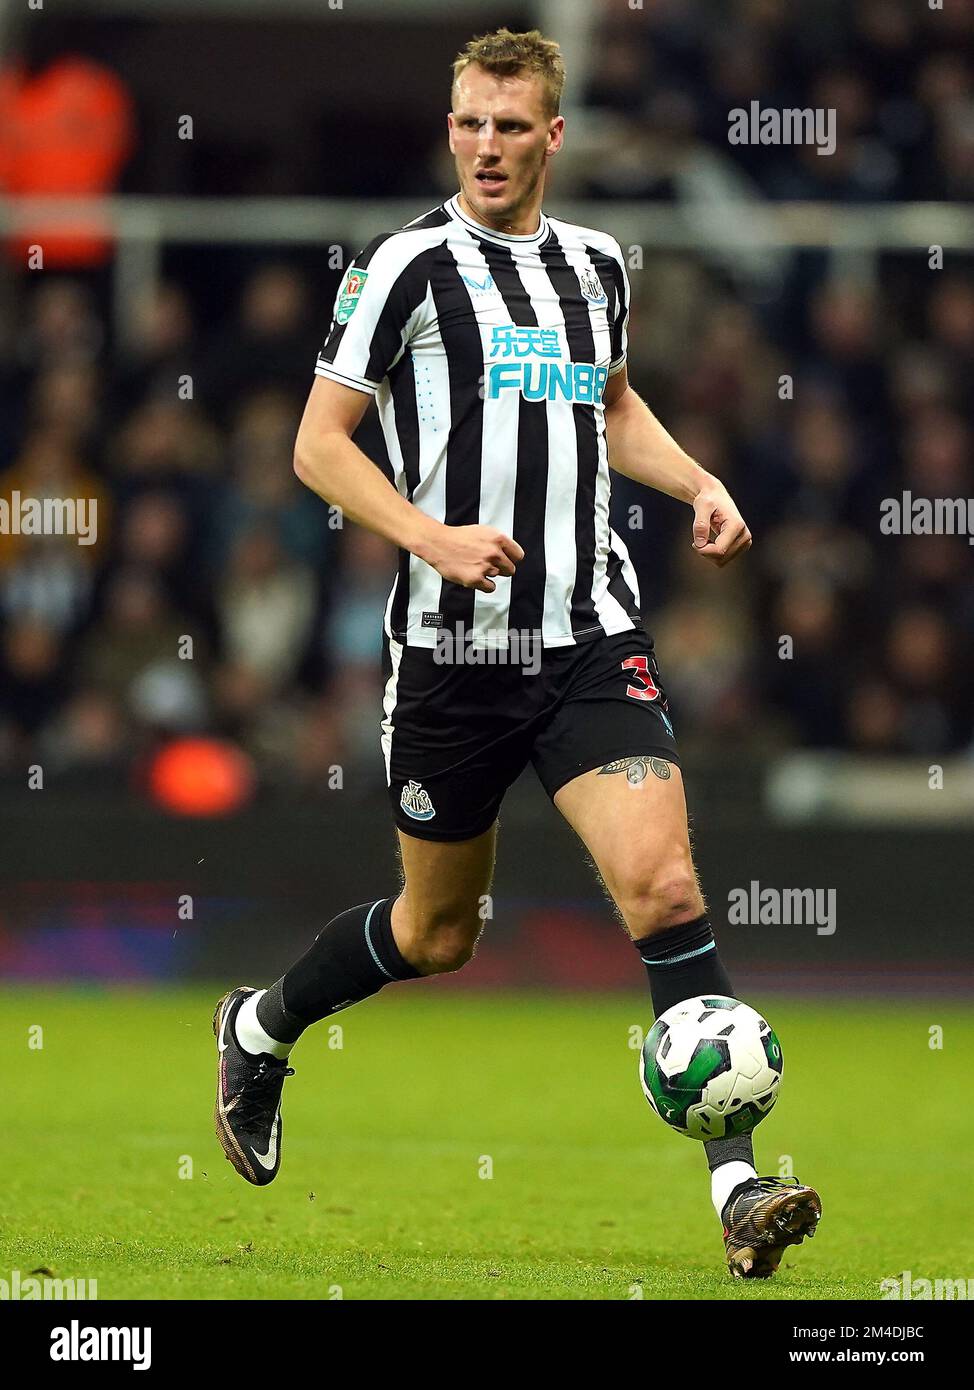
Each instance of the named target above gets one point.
<point>854,235</point>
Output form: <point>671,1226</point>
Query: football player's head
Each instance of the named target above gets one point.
<point>505,123</point>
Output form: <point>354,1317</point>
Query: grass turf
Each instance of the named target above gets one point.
<point>386,1139</point>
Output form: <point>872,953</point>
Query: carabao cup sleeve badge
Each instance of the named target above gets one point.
<point>350,294</point>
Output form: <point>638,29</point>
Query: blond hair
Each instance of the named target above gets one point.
<point>506,54</point>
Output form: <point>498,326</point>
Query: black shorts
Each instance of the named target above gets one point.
<point>455,736</point>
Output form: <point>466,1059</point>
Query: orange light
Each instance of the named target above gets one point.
<point>201,777</point>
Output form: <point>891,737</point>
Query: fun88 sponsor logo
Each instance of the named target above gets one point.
<point>543,379</point>
<point>548,381</point>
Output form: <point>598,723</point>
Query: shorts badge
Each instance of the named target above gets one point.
<point>416,802</point>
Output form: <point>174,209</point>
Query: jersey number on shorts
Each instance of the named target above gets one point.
<point>649,690</point>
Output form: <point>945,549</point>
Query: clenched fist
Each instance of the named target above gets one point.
<point>472,555</point>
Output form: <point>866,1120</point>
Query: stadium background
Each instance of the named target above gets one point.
<point>211,262</point>
<point>218,261</point>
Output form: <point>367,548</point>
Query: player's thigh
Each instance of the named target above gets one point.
<point>631,815</point>
<point>444,885</point>
<point>454,741</point>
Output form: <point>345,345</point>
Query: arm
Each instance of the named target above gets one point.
<point>641,449</point>
<point>331,465</point>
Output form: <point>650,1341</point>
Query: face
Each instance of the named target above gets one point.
<point>501,140</point>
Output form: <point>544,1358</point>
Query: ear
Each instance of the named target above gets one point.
<point>556,135</point>
<point>450,129</point>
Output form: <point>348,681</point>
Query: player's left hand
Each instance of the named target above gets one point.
<point>719,530</point>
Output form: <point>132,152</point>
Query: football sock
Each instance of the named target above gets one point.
<point>351,958</point>
<point>249,1033</point>
<point>682,963</point>
<point>726,1179</point>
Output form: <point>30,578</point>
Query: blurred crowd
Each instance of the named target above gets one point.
<point>830,633</point>
<point>899,75</point>
<point>222,596</point>
<point>185,440</point>
<point>206,601</point>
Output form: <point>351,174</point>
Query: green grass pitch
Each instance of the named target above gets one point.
<point>388,1141</point>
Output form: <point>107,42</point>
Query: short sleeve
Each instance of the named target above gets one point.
<point>374,313</point>
<point>620,318</point>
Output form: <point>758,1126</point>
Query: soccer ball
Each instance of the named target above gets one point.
<point>711,1067</point>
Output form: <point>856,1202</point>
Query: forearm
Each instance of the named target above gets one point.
<point>342,475</point>
<point>641,449</point>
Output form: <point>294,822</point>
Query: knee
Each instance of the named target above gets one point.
<point>442,951</point>
<point>651,901</point>
<point>438,943</point>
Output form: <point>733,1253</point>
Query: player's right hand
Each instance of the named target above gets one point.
<point>473,555</point>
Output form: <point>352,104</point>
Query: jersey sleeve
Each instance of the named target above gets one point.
<point>375,313</point>
<point>620,318</point>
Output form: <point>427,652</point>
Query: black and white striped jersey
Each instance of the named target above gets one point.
<point>488,355</point>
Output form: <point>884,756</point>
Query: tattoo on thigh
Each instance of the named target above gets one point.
<point>636,769</point>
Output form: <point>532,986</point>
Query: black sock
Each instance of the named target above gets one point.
<point>350,958</point>
<point>682,963</point>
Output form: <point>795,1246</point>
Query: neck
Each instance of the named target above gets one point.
<point>524,224</point>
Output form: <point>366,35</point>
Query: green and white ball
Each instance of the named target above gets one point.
<point>711,1067</point>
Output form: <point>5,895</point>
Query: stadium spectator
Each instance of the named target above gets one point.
<point>66,127</point>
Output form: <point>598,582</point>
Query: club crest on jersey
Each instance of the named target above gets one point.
<point>592,288</point>
<point>416,802</point>
<point>350,293</point>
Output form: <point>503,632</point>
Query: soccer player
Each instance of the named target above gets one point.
<point>494,340</point>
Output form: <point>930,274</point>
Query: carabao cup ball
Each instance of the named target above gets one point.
<point>711,1067</point>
